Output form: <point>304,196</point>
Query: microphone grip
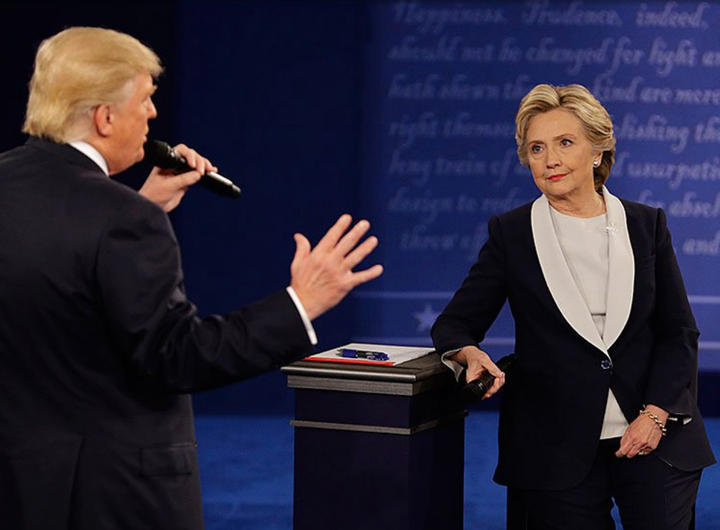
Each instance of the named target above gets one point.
<point>474,391</point>
<point>160,154</point>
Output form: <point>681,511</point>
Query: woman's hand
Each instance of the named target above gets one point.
<point>478,362</point>
<point>643,435</point>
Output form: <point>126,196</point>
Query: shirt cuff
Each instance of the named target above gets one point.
<point>456,367</point>
<point>303,315</point>
<point>685,419</point>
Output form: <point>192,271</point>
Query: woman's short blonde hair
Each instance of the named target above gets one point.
<point>77,70</point>
<point>576,99</point>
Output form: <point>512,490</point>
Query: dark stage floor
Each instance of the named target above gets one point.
<point>247,473</point>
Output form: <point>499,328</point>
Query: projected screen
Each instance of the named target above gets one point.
<point>442,83</point>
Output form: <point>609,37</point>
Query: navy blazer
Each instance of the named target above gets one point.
<point>98,346</point>
<point>554,400</point>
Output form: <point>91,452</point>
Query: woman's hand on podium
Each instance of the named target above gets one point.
<point>477,362</point>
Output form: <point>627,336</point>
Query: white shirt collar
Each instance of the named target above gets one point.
<point>92,153</point>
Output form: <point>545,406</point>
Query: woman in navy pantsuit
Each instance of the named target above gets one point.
<point>601,405</point>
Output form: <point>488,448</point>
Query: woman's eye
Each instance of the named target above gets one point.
<point>565,142</point>
<point>535,149</point>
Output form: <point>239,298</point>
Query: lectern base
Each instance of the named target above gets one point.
<point>363,480</point>
<point>378,448</point>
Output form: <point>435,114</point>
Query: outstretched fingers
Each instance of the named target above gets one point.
<point>362,251</point>
<point>349,240</point>
<point>366,275</point>
<point>331,238</point>
<point>322,276</point>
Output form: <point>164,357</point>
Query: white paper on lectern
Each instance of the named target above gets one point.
<point>396,354</point>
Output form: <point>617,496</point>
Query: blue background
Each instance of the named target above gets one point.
<point>308,106</point>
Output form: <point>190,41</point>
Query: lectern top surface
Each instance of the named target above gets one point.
<point>409,372</point>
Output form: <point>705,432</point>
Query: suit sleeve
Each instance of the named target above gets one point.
<point>477,303</point>
<point>673,367</point>
<point>155,327</point>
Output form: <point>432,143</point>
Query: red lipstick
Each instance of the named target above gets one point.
<point>555,178</point>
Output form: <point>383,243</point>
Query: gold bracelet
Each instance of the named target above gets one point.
<point>657,421</point>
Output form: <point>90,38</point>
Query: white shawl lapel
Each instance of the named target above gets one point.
<point>562,286</point>
<point>621,276</point>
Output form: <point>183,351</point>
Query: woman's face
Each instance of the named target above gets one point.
<point>561,156</point>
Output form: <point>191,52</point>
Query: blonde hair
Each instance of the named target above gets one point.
<point>578,100</point>
<point>77,70</point>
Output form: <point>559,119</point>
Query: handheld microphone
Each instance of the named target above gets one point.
<point>476,389</point>
<point>163,156</point>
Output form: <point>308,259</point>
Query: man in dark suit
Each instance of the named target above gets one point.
<point>98,342</point>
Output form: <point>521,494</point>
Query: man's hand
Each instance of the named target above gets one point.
<point>478,362</point>
<point>167,189</point>
<point>323,276</point>
<point>643,435</point>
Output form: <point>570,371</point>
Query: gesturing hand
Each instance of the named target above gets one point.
<point>323,276</point>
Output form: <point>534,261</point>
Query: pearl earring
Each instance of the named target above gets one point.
<point>596,163</point>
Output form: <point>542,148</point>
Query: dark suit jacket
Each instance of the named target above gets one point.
<point>554,400</point>
<point>98,346</point>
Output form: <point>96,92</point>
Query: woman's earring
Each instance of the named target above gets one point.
<point>596,163</point>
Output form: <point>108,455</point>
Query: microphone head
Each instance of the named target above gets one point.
<point>161,155</point>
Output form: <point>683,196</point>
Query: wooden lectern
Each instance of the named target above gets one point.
<point>377,447</point>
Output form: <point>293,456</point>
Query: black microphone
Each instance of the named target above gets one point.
<point>476,389</point>
<point>163,156</point>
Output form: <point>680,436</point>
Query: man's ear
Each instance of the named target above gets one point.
<point>104,120</point>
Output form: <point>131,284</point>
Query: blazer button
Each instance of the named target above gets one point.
<point>606,364</point>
